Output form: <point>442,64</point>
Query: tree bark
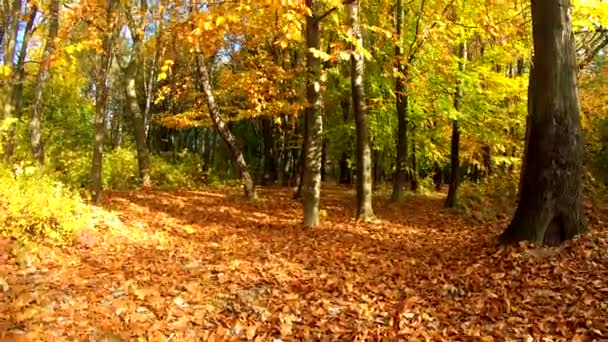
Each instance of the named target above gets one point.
<point>19,80</point>
<point>402,107</point>
<point>345,172</point>
<point>43,76</point>
<point>455,143</point>
<point>9,61</point>
<point>531,94</point>
<point>101,96</point>
<point>414,179</point>
<point>139,128</point>
<point>223,130</point>
<point>302,158</point>
<point>550,209</point>
<point>364,157</point>
<point>116,129</point>
<point>311,189</point>
<point>269,175</point>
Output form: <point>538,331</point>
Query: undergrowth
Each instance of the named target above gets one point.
<point>120,170</point>
<point>494,198</point>
<point>35,206</point>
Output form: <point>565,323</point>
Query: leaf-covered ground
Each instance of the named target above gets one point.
<point>188,266</point>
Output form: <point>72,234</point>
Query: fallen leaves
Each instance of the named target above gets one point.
<point>210,266</point>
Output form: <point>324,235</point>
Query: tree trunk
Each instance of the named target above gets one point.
<point>19,81</point>
<point>414,179</point>
<point>455,144</point>
<point>550,209</point>
<point>531,95</point>
<point>224,131</point>
<point>269,175</point>
<point>116,129</point>
<point>101,96</point>
<point>402,107</point>
<point>345,172</point>
<point>311,189</point>
<point>6,96</point>
<point>302,158</point>
<point>364,157</point>
<point>139,128</point>
<point>324,161</point>
<point>43,76</point>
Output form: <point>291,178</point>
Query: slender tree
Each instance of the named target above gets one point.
<point>43,76</point>
<point>223,130</point>
<point>402,107</point>
<point>135,112</point>
<point>101,96</point>
<point>19,78</point>
<point>455,143</point>
<point>550,208</point>
<point>364,155</point>
<point>311,189</point>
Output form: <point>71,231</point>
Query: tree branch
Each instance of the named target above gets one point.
<point>322,16</point>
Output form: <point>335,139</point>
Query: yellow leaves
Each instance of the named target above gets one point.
<point>388,34</point>
<point>344,55</point>
<point>324,56</point>
<point>5,70</point>
<point>164,70</point>
<point>191,118</point>
<point>219,21</point>
<point>196,32</point>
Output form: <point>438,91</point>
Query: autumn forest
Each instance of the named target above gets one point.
<point>303,170</point>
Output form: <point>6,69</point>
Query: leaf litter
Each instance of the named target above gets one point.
<point>206,265</point>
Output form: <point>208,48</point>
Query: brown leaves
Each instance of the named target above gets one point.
<point>209,266</point>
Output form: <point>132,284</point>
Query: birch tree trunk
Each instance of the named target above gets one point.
<point>364,156</point>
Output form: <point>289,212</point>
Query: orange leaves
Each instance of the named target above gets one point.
<point>191,118</point>
<point>248,271</point>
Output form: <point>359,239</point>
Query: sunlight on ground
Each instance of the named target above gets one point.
<point>198,265</point>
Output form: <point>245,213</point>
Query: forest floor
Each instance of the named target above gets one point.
<point>209,265</point>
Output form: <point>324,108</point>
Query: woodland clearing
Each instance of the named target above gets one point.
<point>210,265</point>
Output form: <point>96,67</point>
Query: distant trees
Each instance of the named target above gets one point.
<point>259,91</point>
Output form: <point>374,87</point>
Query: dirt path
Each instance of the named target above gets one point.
<point>187,266</point>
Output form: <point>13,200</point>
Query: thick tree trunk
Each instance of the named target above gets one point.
<point>43,76</point>
<point>531,94</point>
<point>311,189</point>
<point>224,131</point>
<point>550,208</point>
<point>455,143</point>
<point>137,119</point>
<point>364,156</point>
<point>402,106</point>
<point>101,96</point>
